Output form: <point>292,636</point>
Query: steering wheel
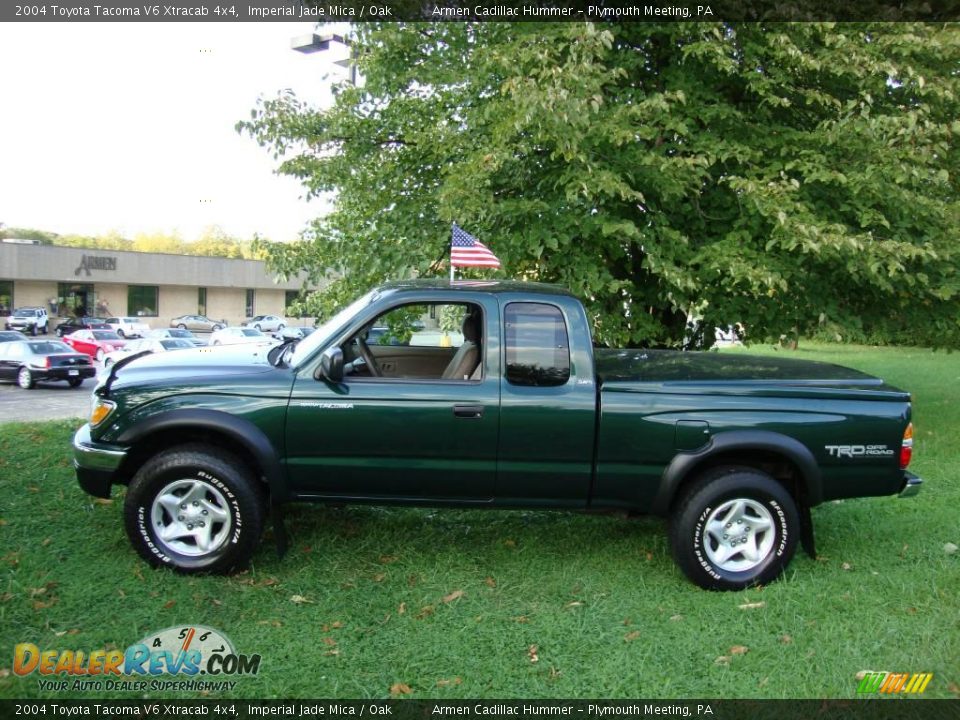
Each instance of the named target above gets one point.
<point>368,358</point>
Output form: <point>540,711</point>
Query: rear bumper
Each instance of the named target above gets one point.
<point>95,463</point>
<point>911,485</point>
<point>63,373</point>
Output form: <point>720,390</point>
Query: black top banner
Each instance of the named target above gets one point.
<point>860,709</point>
<point>479,10</point>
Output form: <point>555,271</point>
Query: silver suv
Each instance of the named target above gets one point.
<point>28,319</point>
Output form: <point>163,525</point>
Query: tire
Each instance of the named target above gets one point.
<point>75,382</point>
<point>217,327</point>
<point>280,327</point>
<point>120,332</point>
<point>182,326</point>
<point>33,330</point>
<point>215,342</point>
<point>25,379</point>
<point>100,355</point>
<point>257,327</point>
<point>108,362</point>
<point>734,498</point>
<point>216,489</point>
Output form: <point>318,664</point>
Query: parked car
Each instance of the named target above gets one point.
<point>71,325</point>
<point>95,343</point>
<point>267,323</point>
<point>128,327</point>
<point>11,335</point>
<point>26,362</point>
<point>734,451</point>
<point>292,332</point>
<point>197,322</point>
<point>154,345</point>
<point>28,319</point>
<point>237,336</point>
<point>176,333</point>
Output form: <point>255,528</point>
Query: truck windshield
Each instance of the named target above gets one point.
<point>305,348</point>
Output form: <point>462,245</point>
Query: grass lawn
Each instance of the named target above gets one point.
<point>473,604</point>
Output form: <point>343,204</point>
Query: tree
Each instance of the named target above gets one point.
<point>790,177</point>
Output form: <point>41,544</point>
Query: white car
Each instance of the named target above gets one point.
<point>267,323</point>
<point>155,345</point>
<point>238,336</point>
<point>128,327</point>
<point>161,333</point>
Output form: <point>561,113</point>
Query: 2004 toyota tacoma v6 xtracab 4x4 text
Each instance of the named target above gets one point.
<point>517,410</point>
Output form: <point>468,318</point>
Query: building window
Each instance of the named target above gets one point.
<point>201,301</point>
<point>289,299</point>
<point>251,301</point>
<point>73,299</point>
<point>142,300</point>
<point>6,297</point>
<point>537,348</point>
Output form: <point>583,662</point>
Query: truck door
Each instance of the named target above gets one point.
<point>419,425</point>
<point>548,405</point>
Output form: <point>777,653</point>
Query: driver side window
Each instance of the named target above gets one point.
<point>418,341</point>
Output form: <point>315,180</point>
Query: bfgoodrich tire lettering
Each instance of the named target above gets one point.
<point>734,528</point>
<point>206,480</point>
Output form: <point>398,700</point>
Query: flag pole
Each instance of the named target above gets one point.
<point>451,251</point>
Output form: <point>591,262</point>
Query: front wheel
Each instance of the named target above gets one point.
<point>182,326</point>
<point>734,528</point>
<point>120,333</point>
<point>100,355</point>
<point>195,509</point>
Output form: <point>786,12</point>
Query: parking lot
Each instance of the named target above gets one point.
<point>47,401</point>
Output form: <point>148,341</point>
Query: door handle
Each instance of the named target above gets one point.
<point>468,411</point>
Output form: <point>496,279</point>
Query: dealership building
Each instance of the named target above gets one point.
<point>156,287</point>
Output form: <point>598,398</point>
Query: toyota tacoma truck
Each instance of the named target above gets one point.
<point>488,395</point>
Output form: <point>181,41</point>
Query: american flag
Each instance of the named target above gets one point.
<point>467,251</point>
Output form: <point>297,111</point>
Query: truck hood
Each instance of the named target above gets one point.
<point>619,368</point>
<point>192,366</point>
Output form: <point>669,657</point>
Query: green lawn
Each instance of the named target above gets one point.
<point>510,604</point>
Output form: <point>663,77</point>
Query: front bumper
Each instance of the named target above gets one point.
<point>95,463</point>
<point>911,485</point>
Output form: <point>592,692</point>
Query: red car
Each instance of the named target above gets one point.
<point>95,343</point>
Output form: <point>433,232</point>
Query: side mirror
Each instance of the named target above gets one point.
<point>331,364</point>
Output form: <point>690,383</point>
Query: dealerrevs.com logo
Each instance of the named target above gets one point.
<point>892,683</point>
<point>183,658</point>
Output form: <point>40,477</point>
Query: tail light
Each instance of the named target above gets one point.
<point>46,361</point>
<point>906,449</point>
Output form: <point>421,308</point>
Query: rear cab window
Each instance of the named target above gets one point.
<point>537,345</point>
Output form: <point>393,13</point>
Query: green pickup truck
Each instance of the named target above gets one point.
<point>488,395</point>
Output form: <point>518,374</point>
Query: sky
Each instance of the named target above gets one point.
<point>129,127</point>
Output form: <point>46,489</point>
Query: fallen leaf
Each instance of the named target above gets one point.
<point>61,633</point>
<point>575,603</point>
<point>649,556</point>
<point>425,611</point>
<point>845,566</point>
<point>903,551</point>
<point>554,673</point>
<point>532,653</point>
<point>722,660</point>
<point>510,543</point>
<point>522,619</point>
<point>103,501</point>
<point>121,593</point>
<point>216,602</point>
<point>169,604</point>
<point>412,580</point>
<point>452,681</point>
<point>40,605</point>
<point>268,582</point>
<point>400,689</point>
<point>950,548</point>
<point>4,672</point>
<point>332,652</point>
<point>739,650</point>
<point>954,688</point>
<point>676,617</point>
<point>387,559</point>
<point>911,611</point>
<point>490,582</point>
<point>631,636</point>
<point>753,605</point>
<point>329,642</point>
<point>627,621</point>
<point>379,577</point>
<point>46,541</point>
<point>402,609</point>
<point>306,549</point>
<point>455,595</point>
<point>336,624</point>
<point>300,600</point>
<point>786,639</point>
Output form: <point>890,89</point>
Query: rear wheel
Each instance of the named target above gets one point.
<point>182,326</point>
<point>75,382</point>
<point>25,379</point>
<point>120,332</point>
<point>734,528</point>
<point>195,509</point>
